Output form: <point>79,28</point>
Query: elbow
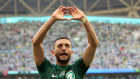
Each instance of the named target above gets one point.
<point>34,42</point>
<point>95,44</point>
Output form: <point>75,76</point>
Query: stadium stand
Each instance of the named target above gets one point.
<point>118,48</point>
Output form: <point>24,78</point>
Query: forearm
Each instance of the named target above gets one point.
<point>92,44</point>
<point>40,35</point>
<point>92,38</point>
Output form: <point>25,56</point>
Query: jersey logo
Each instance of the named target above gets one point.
<point>54,75</point>
<point>60,75</point>
<point>70,75</point>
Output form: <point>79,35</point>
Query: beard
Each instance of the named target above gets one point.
<point>63,61</point>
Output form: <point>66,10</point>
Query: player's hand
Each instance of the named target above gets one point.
<point>76,13</point>
<point>59,13</point>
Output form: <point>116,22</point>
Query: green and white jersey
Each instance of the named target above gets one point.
<point>74,71</point>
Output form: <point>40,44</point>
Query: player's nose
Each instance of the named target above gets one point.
<point>63,48</point>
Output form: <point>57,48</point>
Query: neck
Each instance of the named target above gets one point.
<point>62,64</point>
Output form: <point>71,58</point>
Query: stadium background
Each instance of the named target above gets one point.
<point>116,23</point>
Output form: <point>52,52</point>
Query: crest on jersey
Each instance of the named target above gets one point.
<point>70,75</point>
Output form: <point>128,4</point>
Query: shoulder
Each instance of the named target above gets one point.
<point>45,65</point>
<point>79,68</point>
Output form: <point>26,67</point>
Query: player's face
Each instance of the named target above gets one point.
<point>63,50</point>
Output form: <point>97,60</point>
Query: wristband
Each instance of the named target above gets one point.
<point>84,20</point>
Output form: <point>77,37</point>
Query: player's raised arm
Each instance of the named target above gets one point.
<point>38,52</point>
<point>92,38</point>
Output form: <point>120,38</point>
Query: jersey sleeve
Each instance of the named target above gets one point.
<point>44,67</point>
<point>80,67</point>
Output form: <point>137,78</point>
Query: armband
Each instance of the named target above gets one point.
<point>84,20</point>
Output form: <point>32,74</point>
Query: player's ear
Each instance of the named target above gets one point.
<point>71,52</point>
<point>53,53</point>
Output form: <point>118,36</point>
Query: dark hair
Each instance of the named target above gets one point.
<point>64,37</point>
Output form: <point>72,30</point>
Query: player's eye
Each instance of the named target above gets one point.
<point>60,45</point>
<point>67,45</point>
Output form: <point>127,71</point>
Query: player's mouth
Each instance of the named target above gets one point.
<point>64,54</point>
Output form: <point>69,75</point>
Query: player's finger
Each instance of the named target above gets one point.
<point>72,18</point>
<point>69,12</point>
<point>67,8</point>
<point>60,19</point>
<point>74,8</point>
<point>65,12</point>
<point>70,9</point>
<point>65,19</point>
<point>60,8</point>
<point>63,8</point>
<point>68,19</point>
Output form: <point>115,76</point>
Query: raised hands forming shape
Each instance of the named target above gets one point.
<point>73,11</point>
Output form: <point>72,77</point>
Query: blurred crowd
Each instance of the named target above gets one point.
<point>119,44</point>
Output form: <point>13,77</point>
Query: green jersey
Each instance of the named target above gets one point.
<point>74,71</point>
